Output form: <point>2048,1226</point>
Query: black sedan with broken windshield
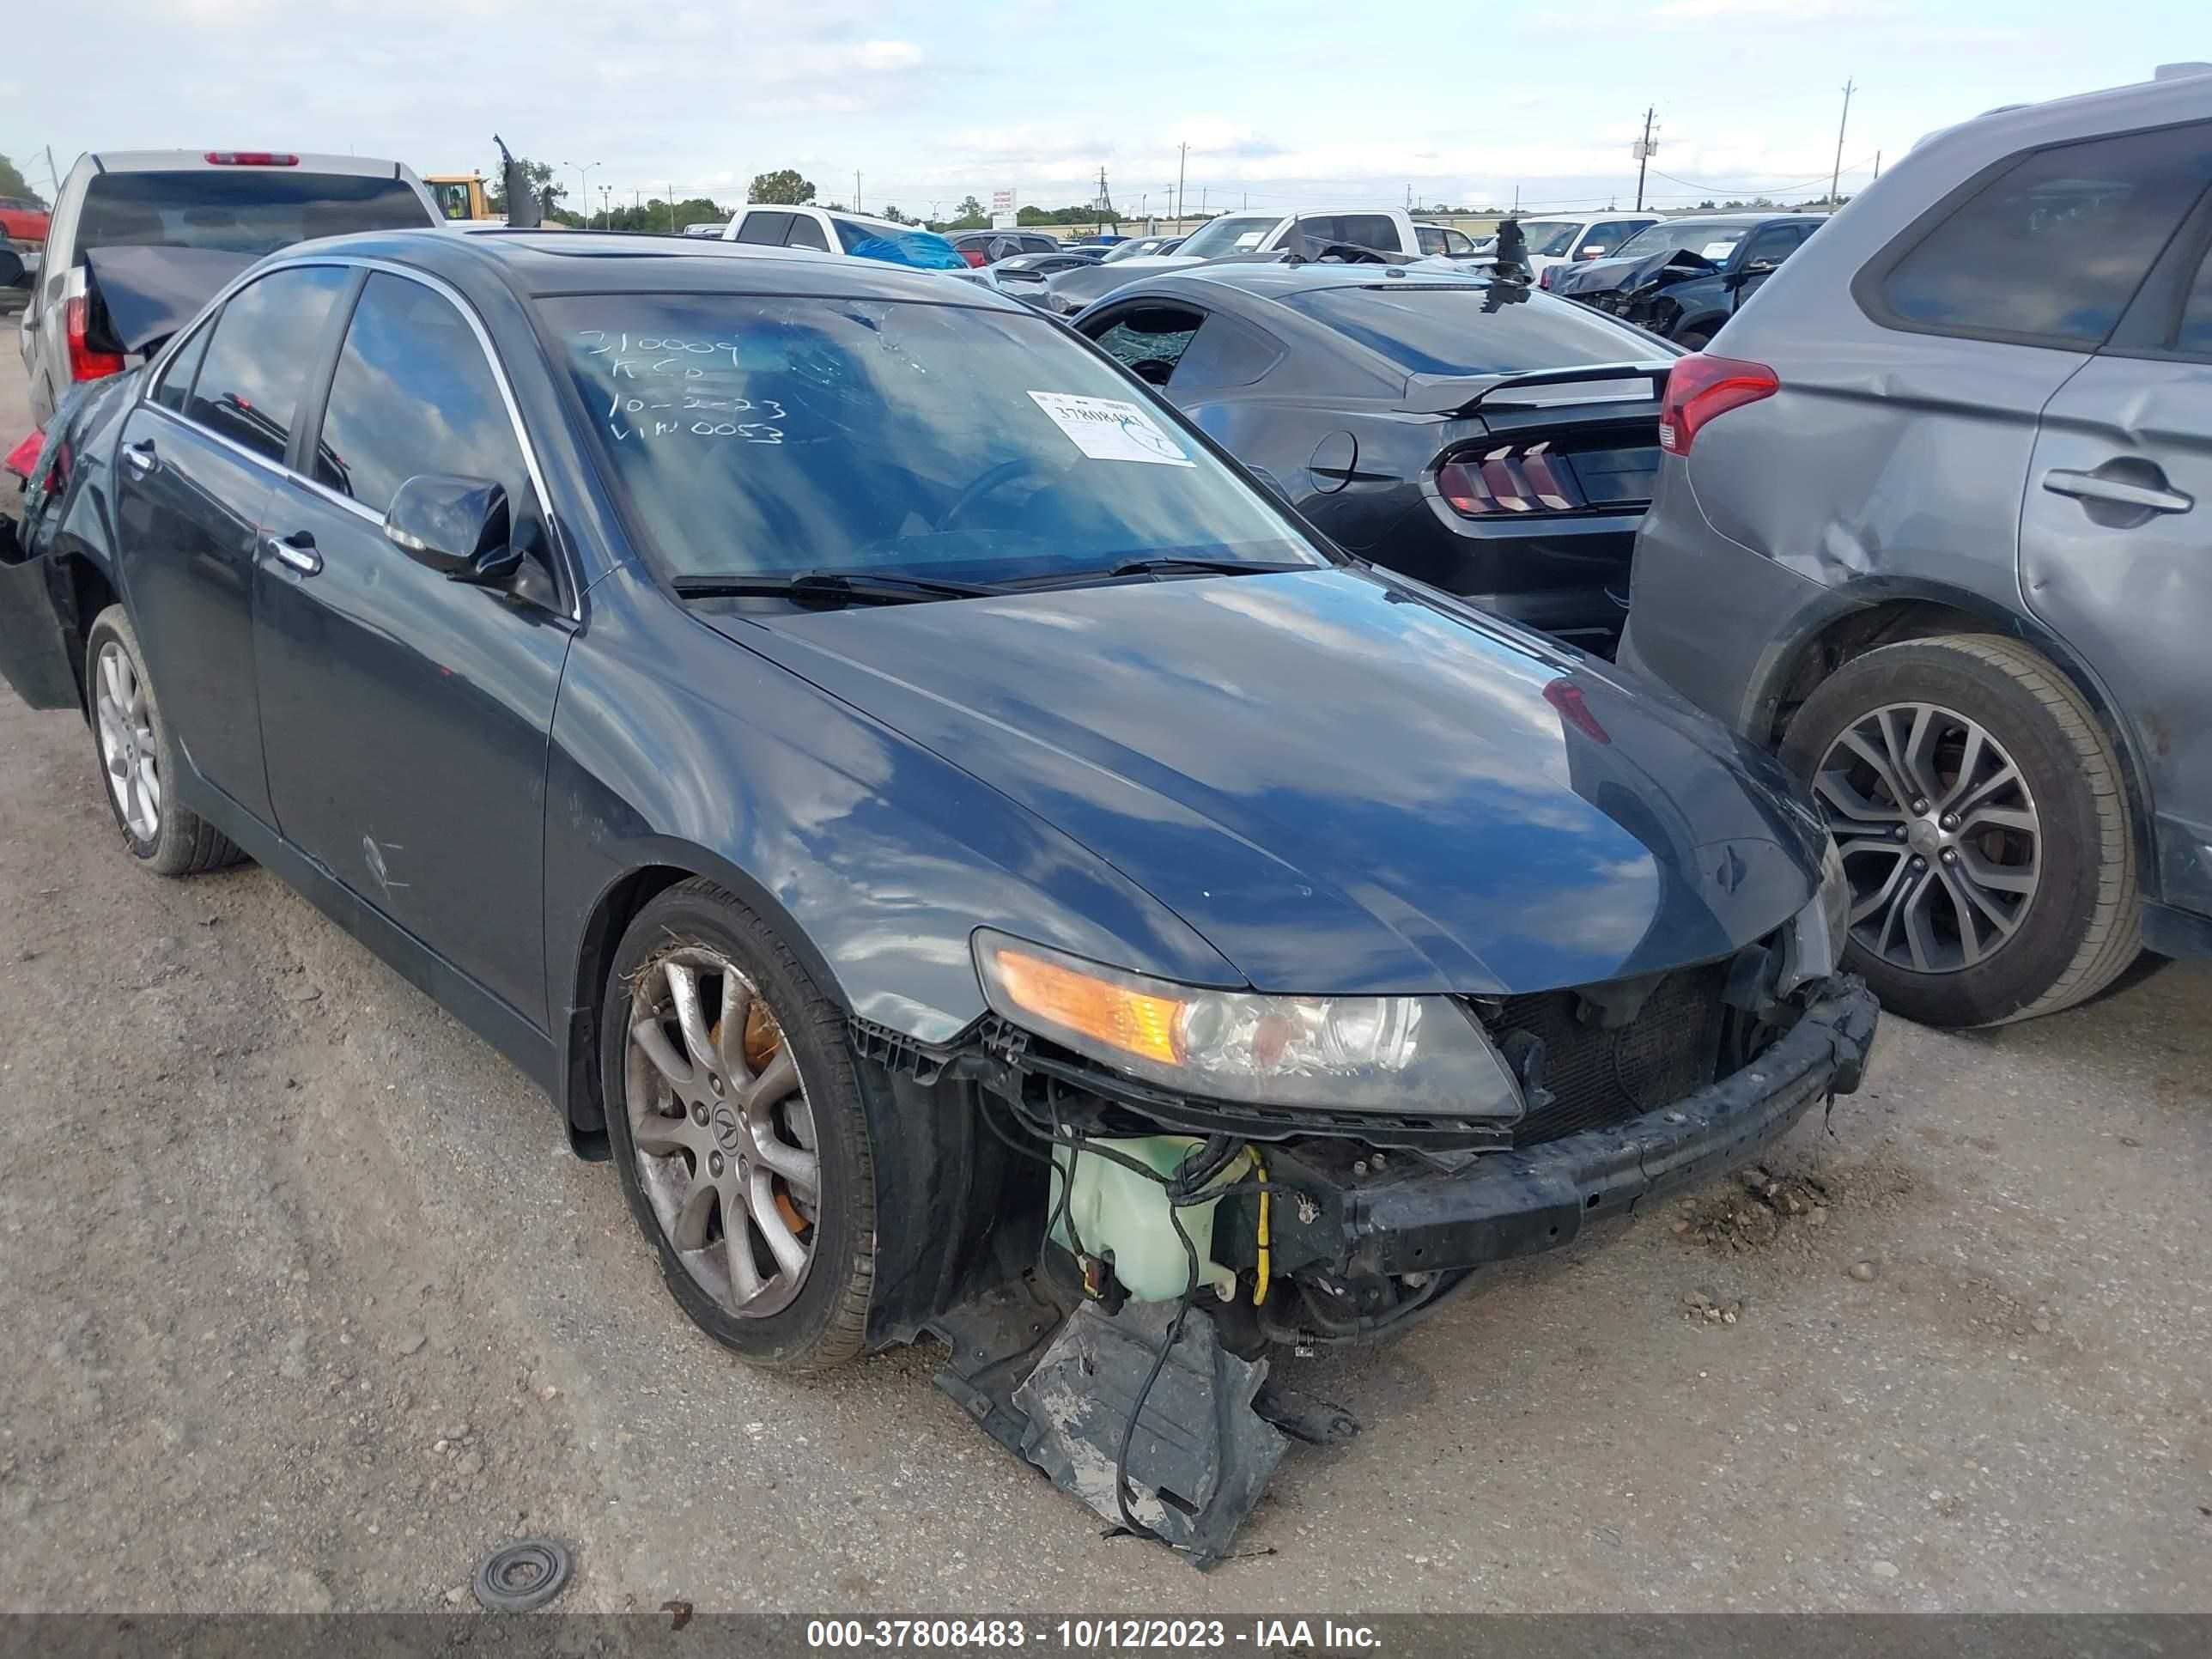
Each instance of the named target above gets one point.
<point>977,862</point>
<point>1485,438</point>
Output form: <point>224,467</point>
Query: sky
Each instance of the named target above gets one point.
<point>1296,102</point>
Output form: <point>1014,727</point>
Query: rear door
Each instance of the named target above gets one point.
<point>198,461</point>
<point>405,714</point>
<point>2116,542</point>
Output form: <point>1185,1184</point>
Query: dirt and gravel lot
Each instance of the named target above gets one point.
<point>305,1305</point>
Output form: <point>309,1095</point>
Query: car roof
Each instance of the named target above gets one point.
<point>195,161</point>
<point>531,264</point>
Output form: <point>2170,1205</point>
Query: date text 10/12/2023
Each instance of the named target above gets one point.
<point>1094,1635</point>
<point>677,390</point>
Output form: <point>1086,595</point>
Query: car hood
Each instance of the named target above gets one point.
<point>1344,782</point>
<point>1609,276</point>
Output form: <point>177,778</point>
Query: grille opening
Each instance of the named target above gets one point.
<point>1598,1078</point>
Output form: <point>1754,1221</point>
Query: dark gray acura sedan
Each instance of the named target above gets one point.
<point>976,861</point>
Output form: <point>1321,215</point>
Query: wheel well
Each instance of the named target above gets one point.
<point>92,594</point>
<point>595,954</point>
<point>1854,635</point>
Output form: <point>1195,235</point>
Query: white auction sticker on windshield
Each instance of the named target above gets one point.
<point>1107,429</point>
<point>1718,250</point>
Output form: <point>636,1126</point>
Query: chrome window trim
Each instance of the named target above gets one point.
<point>159,365</point>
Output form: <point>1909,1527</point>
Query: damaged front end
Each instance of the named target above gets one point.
<point>1174,1238</point>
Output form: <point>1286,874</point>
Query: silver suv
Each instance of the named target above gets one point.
<point>1935,520</point>
<point>248,202</point>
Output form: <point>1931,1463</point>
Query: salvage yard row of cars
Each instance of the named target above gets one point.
<point>1119,842</point>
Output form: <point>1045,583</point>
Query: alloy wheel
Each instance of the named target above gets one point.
<point>721,1130</point>
<point>127,749</point>
<point>1939,835</point>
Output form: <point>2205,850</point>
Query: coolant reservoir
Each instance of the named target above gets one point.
<point>1114,1208</point>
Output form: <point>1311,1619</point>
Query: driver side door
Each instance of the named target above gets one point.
<point>405,716</point>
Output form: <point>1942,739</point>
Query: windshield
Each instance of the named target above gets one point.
<point>1475,328</point>
<point>253,211</point>
<point>1231,234</point>
<point>767,435</point>
<point>452,197</point>
<point>1550,239</point>
<point>922,249</point>
<point>1715,242</point>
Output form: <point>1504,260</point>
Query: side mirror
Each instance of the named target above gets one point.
<point>456,527</point>
<point>1589,252</point>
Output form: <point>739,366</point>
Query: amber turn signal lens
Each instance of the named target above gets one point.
<point>1128,1020</point>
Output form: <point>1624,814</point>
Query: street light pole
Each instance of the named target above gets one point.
<point>583,187</point>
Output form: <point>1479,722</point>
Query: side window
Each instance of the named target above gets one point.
<point>1773,244</point>
<point>1604,238</point>
<point>805,232</point>
<point>2055,246</point>
<point>767,229</point>
<point>1431,238</point>
<point>1226,352</point>
<point>264,346</point>
<point>1151,342</point>
<point>176,382</point>
<point>2196,336</point>
<point>1457,241</point>
<point>1041,245</point>
<point>413,393</point>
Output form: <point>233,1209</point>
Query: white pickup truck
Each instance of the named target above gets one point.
<point>1385,229</point>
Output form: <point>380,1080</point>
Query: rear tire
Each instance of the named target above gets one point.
<point>138,757</point>
<point>1984,825</point>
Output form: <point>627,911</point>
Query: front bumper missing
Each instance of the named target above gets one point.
<point>1056,1387</point>
<point>1408,1216</point>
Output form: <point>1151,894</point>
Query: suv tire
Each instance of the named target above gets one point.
<point>2040,860</point>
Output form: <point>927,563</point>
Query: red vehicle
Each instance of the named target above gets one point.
<point>23,232</point>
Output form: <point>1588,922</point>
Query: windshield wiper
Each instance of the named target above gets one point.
<point>831,587</point>
<point>1172,564</point>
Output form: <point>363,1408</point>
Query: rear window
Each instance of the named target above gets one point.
<point>923,250</point>
<point>2054,249</point>
<point>1478,328</point>
<point>240,210</point>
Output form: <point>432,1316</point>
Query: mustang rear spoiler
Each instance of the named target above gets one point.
<point>144,294</point>
<point>1466,394</point>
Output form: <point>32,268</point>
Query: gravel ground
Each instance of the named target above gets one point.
<point>308,1306</point>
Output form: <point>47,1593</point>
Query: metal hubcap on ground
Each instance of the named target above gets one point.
<point>1938,832</point>
<point>126,741</point>
<point>725,1138</point>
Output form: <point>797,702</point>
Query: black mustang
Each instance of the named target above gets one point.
<point>983,865</point>
<point>1487,439</point>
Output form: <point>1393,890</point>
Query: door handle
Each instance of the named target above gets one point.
<point>140,458</point>
<point>297,550</point>
<point>2093,487</point>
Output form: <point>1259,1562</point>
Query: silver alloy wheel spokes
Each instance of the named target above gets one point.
<point>1938,832</point>
<point>126,741</point>
<point>724,1136</point>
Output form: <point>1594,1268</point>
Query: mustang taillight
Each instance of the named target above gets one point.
<point>1482,483</point>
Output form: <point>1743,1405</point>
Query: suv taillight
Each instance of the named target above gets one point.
<point>85,363</point>
<point>1700,388</point>
<point>1481,484</point>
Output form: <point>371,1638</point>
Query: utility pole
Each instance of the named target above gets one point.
<point>856,190</point>
<point>1877,164</point>
<point>1835,179</point>
<point>606,208</point>
<point>671,208</point>
<point>1643,157</point>
<point>1182,155</point>
<point>53,178</point>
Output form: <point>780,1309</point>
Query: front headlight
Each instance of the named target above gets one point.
<point>1418,1054</point>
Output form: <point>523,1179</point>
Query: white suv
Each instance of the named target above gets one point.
<point>1563,241</point>
<point>852,235</point>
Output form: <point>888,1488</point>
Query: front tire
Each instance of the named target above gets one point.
<point>738,1133</point>
<point>1984,826</point>
<point>138,757</point>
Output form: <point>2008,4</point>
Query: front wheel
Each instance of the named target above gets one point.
<point>738,1132</point>
<point>1983,822</point>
